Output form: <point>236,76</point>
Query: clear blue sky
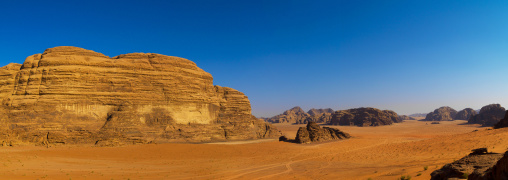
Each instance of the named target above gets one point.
<point>407,56</point>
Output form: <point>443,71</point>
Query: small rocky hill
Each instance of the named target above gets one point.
<point>489,115</point>
<point>314,133</point>
<point>418,115</point>
<point>364,117</point>
<point>465,114</point>
<point>444,113</point>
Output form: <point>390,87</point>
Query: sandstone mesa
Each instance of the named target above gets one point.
<point>70,95</point>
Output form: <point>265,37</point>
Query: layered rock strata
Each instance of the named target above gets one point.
<point>71,95</point>
<point>364,117</point>
<point>489,115</point>
<point>314,133</point>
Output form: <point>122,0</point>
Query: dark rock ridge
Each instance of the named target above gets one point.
<point>465,114</point>
<point>364,117</point>
<point>489,115</point>
<point>476,164</point>
<point>444,113</point>
<point>404,117</point>
<point>296,115</point>
<point>503,122</point>
<point>314,133</point>
<point>70,95</point>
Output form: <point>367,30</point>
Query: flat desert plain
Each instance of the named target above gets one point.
<point>414,148</point>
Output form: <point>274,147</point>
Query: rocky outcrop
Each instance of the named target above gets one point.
<point>364,117</point>
<point>404,117</point>
<point>465,114</point>
<point>444,113</point>
<point>489,115</point>
<point>498,171</point>
<point>70,95</point>
<point>478,162</point>
<point>314,133</point>
<point>293,115</point>
<point>503,122</point>
<point>296,115</point>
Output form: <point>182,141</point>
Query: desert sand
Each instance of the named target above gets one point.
<point>414,148</point>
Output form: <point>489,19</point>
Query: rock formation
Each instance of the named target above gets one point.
<point>70,95</point>
<point>404,117</point>
<point>296,115</point>
<point>364,117</point>
<point>478,162</point>
<point>314,133</point>
<point>293,115</point>
<point>489,115</point>
<point>444,113</point>
<point>498,171</point>
<point>465,114</point>
<point>503,122</point>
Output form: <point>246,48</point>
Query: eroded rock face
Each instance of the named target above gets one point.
<point>475,163</point>
<point>314,133</point>
<point>444,113</point>
<point>364,117</point>
<point>72,95</point>
<point>489,115</point>
<point>465,114</point>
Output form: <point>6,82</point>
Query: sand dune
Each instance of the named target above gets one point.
<point>385,152</point>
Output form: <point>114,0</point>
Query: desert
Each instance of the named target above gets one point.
<point>254,90</point>
<point>413,148</point>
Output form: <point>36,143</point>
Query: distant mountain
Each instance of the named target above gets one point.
<point>418,115</point>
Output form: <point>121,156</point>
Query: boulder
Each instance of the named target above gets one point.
<point>364,117</point>
<point>444,113</point>
<point>70,95</point>
<point>489,115</point>
<point>314,133</point>
<point>465,114</point>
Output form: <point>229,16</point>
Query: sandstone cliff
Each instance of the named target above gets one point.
<point>444,113</point>
<point>70,95</point>
<point>364,117</point>
<point>314,133</point>
<point>489,115</point>
<point>465,114</point>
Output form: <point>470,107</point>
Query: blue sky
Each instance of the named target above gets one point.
<point>407,56</point>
